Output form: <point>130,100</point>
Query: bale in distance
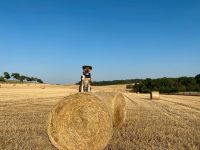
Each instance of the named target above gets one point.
<point>80,121</point>
<point>155,95</point>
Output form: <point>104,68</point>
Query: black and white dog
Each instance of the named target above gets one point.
<point>85,84</point>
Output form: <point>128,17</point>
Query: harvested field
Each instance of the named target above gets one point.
<point>173,122</point>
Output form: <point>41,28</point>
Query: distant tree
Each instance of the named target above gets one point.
<point>184,81</point>
<point>22,78</point>
<point>2,79</point>
<point>114,82</point>
<point>148,83</point>
<point>144,89</point>
<point>16,76</point>
<point>39,81</point>
<point>6,75</point>
<point>129,86</point>
<point>137,87</point>
<point>181,88</point>
<point>33,79</point>
<point>197,78</point>
<point>155,89</point>
<point>28,79</point>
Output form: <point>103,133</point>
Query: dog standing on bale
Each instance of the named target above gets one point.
<point>85,84</point>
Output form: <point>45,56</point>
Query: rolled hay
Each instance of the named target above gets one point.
<point>117,106</point>
<point>79,122</point>
<point>155,95</point>
<point>14,85</point>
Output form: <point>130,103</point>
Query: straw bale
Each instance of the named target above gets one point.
<point>79,122</point>
<point>117,106</point>
<point>155,95</point>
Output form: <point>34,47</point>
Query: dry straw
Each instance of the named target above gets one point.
<point>155,95</point>
<point>117,106</point>
<point>42,87</point>
<point>119,110</point>
<point>80,122</point>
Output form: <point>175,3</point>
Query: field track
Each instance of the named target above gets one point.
<point>170,123</point>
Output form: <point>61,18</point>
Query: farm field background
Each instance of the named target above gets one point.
<point>173,122</point>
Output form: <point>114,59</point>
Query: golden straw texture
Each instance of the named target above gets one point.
<point>80,122</point>
<point>155,95</point>
<point>116,104</point>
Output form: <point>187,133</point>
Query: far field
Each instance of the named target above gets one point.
<point>173,122</point>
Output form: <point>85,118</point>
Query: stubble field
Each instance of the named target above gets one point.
<point>173,122</point>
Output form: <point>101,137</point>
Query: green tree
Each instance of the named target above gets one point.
<point>197,78</point>
<point>136,87</point>
<point>33,79</point>
<point>181,88</point>
<point>22,78</point>
<point>16,76</point>
<point>192,85</point>
<point>6,75</point>
<point>2,79</point>
<point>144,89</point>
<point>39,81</point>
<point>28,79</point>
<point>129,86</point>
<point>148,83</point>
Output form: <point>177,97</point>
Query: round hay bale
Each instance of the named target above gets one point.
<point>116,104</point>
<point>155,95</point>
<point>0,85</point>
<point>79,122</point>
<point>14,85</point>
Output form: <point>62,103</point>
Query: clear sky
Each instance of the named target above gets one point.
<point>121,39</point>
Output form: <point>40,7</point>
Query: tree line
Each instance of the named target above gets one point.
<point>113,82</point>
<point>6,76</point>
<point>167,85</point>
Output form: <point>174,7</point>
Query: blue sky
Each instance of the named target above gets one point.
<point>121,39</point>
